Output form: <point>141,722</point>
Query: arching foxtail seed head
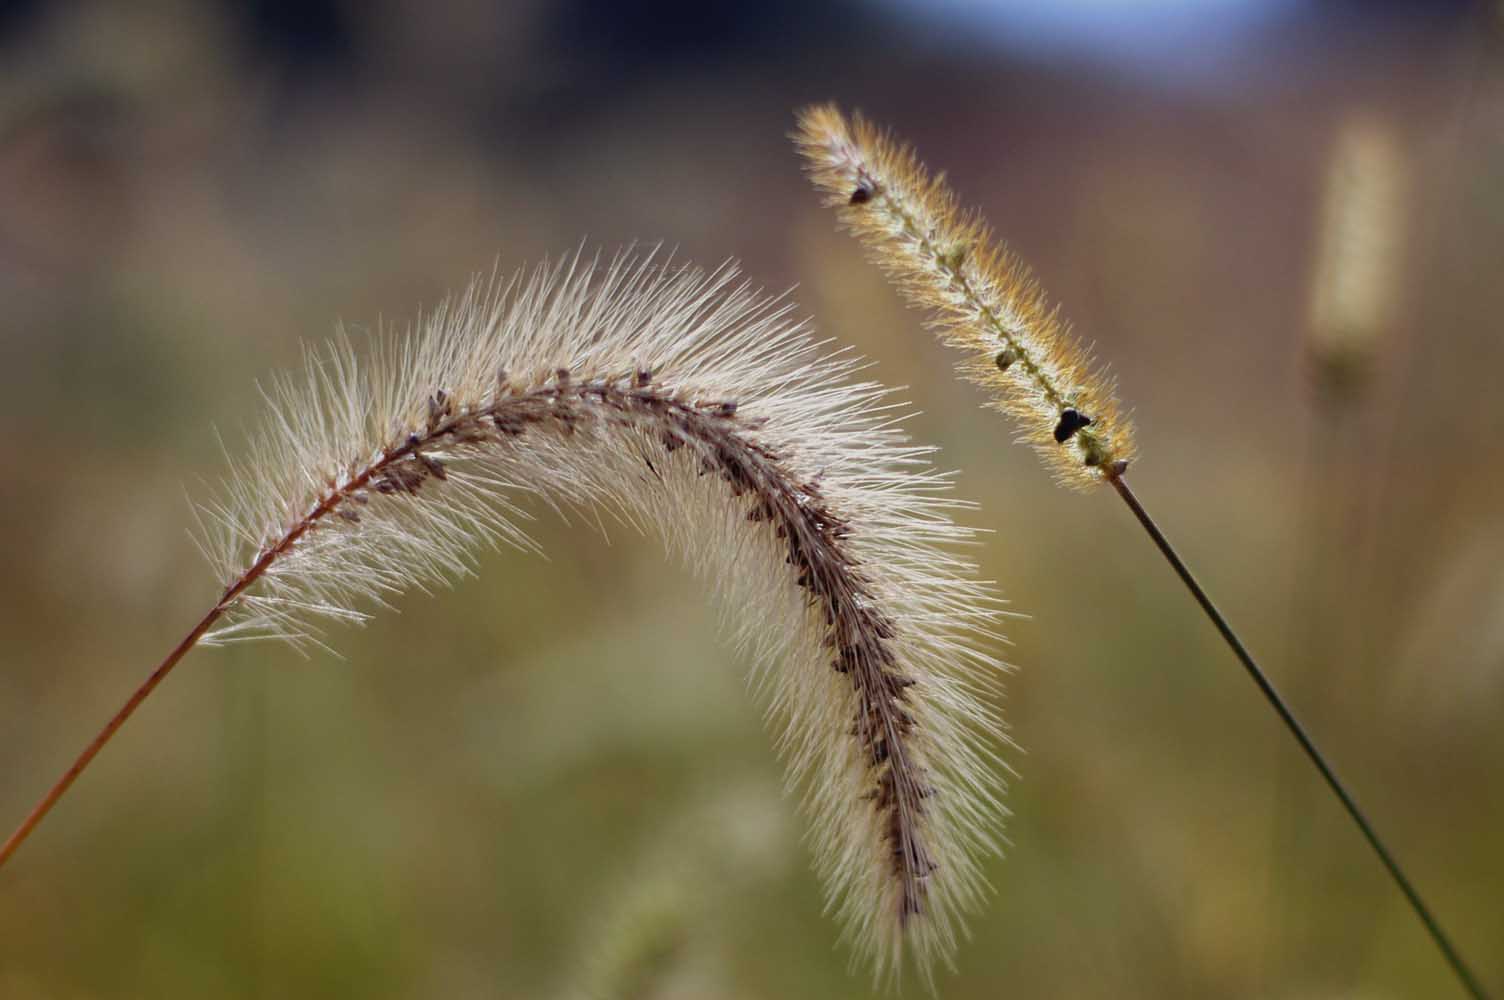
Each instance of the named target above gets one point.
<point>981,297</point>
<point>826,534</point>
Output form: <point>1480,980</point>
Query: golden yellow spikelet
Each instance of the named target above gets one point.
<point>984,299</point>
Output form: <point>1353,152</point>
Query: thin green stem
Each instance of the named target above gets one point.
<point>1464,975</point>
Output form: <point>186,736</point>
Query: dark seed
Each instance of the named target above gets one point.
<point>1071,421</point>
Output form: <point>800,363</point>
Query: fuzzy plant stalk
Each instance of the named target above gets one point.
<point>983,300</point>
<point>691,406</point>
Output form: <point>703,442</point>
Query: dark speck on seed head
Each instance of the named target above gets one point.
<point>1071,421</point>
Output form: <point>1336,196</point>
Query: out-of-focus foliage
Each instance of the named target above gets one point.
<point>549,782</point>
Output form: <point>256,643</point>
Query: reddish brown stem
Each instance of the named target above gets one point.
<point>49,800</point>
<point>332,500</point>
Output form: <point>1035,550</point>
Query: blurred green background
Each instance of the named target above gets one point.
<point>551,782</point>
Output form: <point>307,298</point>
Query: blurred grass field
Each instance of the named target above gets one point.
<point>550,782</point>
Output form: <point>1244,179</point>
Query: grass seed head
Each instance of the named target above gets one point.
<point>692,406</point>
<point>982,298</point>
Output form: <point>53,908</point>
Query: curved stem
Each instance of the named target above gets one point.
<point>49,800</point>
<point>43,807</point>
<point>250,576</point>
<point>1464,975</point>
